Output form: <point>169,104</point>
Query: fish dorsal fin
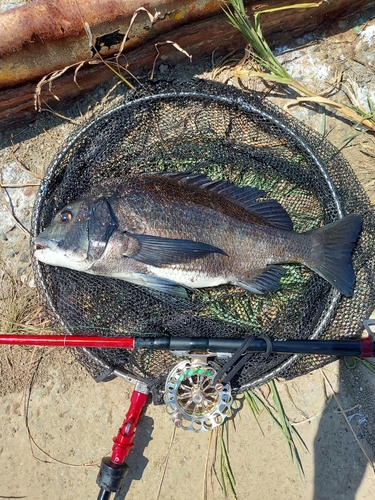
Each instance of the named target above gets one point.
<point>246,197</point>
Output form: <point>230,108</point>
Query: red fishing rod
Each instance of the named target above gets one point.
<point>363,347</point>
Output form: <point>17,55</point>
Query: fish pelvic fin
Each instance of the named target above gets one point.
<point>160,284</point>
<point>332,250</point>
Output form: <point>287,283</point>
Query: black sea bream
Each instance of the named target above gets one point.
<point>175,231</point>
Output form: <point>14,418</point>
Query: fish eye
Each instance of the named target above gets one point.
<point>65,217</point>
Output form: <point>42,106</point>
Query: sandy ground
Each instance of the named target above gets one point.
<point>71,421</point>
<point>57,422</point>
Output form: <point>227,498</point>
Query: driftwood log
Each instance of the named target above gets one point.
<point>46,36</point>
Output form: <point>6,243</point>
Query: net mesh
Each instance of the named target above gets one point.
<point>219,131</point>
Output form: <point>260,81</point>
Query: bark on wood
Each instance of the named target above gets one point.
<point>46,36</point>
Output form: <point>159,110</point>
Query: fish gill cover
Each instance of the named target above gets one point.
<point>207,128</point>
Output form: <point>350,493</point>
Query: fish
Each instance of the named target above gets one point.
<point>174,232</point>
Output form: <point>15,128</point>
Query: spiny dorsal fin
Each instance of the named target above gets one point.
<point>246,197</point>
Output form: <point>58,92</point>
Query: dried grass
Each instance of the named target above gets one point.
<point>20,312</point>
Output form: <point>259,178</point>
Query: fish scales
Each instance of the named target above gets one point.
<point>163,207</point>
<point>179,230</point>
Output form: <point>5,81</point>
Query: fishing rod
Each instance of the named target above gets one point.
<point>363,347</point>
<point>213,400</point>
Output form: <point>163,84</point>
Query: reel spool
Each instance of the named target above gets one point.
<point>194,401</point>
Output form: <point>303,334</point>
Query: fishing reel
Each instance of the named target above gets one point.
<point>194,401</point>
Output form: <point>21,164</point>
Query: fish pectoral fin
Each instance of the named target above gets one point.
<point>160,284</point>
<point>265,281</point>
<point>157,251</point>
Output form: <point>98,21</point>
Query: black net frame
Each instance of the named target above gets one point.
<point>224,133</point>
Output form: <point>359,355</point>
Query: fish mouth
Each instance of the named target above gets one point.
<point>43,243</point>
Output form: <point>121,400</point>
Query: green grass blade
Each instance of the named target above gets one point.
<point>227,479</point>
<point>283,423</point>
<point>371,105</point>
<point>250,398</point>
<point>354,363</point>
<point>263,55</point>
<point>265,76</point>
<point>287,428</point>
<point>288,7</point>
<point>323,126</point>
<point>266,408</point>
<point>367,364</point>
<point>274,71</point>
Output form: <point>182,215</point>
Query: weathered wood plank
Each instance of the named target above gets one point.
<point>43,36</point>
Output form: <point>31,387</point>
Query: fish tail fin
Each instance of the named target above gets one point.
<point>332,250</point>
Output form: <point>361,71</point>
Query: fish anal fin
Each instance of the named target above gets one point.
<point>157,251</point>
<point>266,281</point>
